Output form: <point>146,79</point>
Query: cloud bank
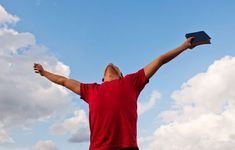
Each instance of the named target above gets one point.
<point>6,18</point>
<point>76,125</point>
<point>44,145</point>
<point>203,114</point>
<point>146,106</point>
<point>26,97</point>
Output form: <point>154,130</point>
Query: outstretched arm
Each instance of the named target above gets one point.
<point>152,67</point>
<point>73,85</point>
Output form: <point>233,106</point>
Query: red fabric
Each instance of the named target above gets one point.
<point>113,111</point>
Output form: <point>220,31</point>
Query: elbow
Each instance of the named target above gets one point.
<point>62,81</point>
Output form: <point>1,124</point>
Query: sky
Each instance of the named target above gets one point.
<point>189,104</point>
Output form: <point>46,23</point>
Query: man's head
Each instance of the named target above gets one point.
<point>111,72</point>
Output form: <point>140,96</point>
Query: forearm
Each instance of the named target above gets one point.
<point>165,58</point>
<point>152,67</point>
<point>54,78</point>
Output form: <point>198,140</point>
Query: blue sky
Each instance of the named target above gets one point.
<point>86,35</point>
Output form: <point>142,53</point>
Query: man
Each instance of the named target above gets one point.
<point>113,103</point>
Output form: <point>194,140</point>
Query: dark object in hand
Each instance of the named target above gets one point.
<point>199,38</point>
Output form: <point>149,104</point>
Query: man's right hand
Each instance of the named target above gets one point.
<point>39,69</point>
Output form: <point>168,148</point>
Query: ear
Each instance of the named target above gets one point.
<point>121,75</point>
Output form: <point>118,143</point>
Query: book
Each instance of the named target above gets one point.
<point>199,38</point>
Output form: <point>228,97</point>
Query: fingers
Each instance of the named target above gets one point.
<point>36,65</point>
<point>189,42</point>
<point>36,68</point>
<point>191,38</point>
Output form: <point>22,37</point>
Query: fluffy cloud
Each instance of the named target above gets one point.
<point>203,114</point>
<point>6,18</point>
<point>11,41</point>
<point>45,145</point>
<point>40,145</point>
<point>207,92</point>
<point>210,131</point>
<point>4,137</point>
<point>145,106</point>
<point>26,97</point>
<point>76,125</point>
<point>4,148</point>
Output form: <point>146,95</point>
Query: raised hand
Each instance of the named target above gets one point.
<point>188,43</point>
<point>39,69</point>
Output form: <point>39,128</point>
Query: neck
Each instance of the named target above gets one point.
<point>111,77</point>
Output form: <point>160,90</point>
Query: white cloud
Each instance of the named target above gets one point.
<point>15,148</point>
<point>77,126</point>
<point>26,97</point>
<point>4,137</point>
<point>45,145</point>
<point>6,18</point>
<point>40,145</point>
<point>146,106</point>
<point>207,92</point>
<point>209,131</point>
<point>11,41</point>
<point>203,114</point>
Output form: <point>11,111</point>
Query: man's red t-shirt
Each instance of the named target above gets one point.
<point>113,111</point>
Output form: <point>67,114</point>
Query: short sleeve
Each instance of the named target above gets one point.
<point>138,80</point>
<point>86,90</point>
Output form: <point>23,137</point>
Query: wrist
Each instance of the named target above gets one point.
<point>42,73</point>
<point>184,46</point>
